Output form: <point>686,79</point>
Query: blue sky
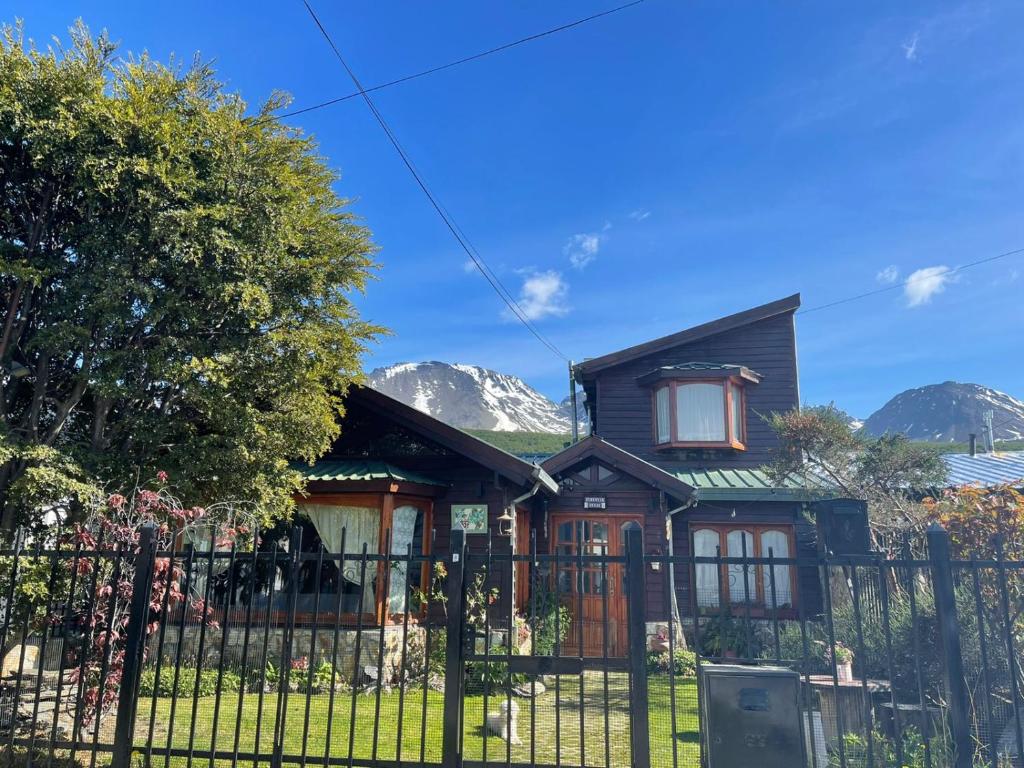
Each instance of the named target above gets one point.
<point>660,167</point>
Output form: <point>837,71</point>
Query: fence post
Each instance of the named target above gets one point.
<point>134,646</point>
<point>949,643</point>
<point>636,604</point>
<point>454,659</point>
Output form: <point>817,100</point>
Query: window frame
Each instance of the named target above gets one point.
<point>386,503</point>
<point>759,606</point>
<point>729,384</point>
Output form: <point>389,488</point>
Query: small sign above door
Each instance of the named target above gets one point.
<point>595,502</point>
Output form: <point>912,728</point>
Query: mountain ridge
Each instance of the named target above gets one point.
<point>476,398</point>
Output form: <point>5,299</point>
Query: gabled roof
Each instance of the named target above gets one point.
<point>750,485</point>
<point>340,470</point>
<point>763,312</point>
<point>594,447</point>
<point>985,468</point>
<point>485,454</point>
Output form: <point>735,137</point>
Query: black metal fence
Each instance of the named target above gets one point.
<point>128,655</point>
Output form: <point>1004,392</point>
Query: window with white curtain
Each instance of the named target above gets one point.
<point>740,583</point>
<point>700,413</point>
<point>705,544</point>
<point>736,415</point>
<point>776,578</point>
<point>741,544</point>
<point>663,415</point>
<point>346,530</point>
<point>705,413</point>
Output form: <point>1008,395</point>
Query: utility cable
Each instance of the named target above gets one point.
<point>904,283</point>
<point>448,220</point>
<point>456,63</point>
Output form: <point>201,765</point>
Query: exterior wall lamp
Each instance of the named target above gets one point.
<point>505,523</point>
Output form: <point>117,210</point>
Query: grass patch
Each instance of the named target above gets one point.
<point>544,731</point>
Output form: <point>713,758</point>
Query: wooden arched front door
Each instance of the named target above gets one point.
<point>593,593</point>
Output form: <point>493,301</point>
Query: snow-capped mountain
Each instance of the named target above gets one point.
<point>949,412</point>
<point>471,397</point>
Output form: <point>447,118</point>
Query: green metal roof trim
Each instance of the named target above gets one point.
<point>354,469</point>
<point>749,485</point>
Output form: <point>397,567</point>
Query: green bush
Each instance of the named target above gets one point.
<point>682,663</point>
<point>316,679</point>
<point>230,682</point>
<point>726,635</point>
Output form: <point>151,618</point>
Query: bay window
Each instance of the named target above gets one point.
<point>760,584</point>
<point>700,414</point>
<point>349,524</point>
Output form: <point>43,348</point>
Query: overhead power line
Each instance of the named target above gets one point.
<point>909,281</point>
<point>448,220</point>
<point>456,63</point>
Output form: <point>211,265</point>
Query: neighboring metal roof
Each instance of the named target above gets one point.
<point>748,485</point>
<point>985,468</point>
<point>358,469</point>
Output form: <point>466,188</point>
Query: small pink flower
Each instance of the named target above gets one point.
<point>161,476</point>
<point>116,500</point>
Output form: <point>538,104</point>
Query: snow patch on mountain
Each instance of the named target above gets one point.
<point>949,412</point>
<point>471,397</point>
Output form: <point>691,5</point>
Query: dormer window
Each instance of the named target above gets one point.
<point>700,405</point>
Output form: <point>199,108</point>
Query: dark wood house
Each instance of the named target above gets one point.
<point>678,444</point>
<point>679,441</point>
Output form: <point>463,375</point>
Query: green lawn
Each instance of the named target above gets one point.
<point>309,734</point>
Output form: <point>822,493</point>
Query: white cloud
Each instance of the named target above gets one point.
<point>469,266</point>
<point>639,214</point>
<point>582,248</point>
<point>544,294</point>
<point>889,275</point>
<point>910,48</point>
<point>925,283</point>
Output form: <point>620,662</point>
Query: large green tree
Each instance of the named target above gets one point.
<point>176,282</point>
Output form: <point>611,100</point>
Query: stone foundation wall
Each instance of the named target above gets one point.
<point>369,642</point>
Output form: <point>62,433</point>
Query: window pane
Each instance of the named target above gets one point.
<point>705,544</point>
<point>700,412</point>
<point>403,529</point>
<point>777,543</point>
<point>565,532</point>
<point>741,544</point>
<point>565,579</point>
<point>663,418</point>
<point>358,526</point>
<point>737,412</point>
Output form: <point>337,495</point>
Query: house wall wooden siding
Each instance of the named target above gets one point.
<point>625,410</point>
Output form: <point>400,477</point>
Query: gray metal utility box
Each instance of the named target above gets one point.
<point>750,716</point>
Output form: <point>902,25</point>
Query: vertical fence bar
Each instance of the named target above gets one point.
<point>1013,665</point>
<point>453,662</point>
<point>636,597</point>
<point>949,642</point>
<point>912,582</point>
<point>135,639</point>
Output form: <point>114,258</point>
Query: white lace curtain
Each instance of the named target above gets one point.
<point>777,543</point>
<point>705,544</point>
<point>361,526</point>
<point>700,412</point>
<point>403,528</point>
